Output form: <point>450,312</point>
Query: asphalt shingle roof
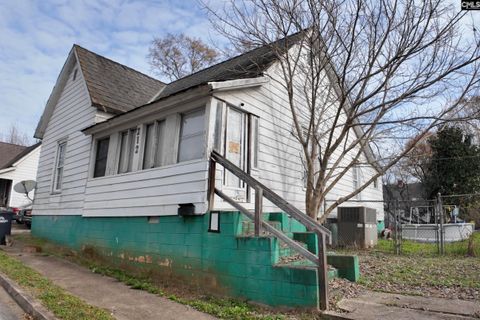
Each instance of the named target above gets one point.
<point>113,86</point>
<point>248,65</point>
<point>9,152</point>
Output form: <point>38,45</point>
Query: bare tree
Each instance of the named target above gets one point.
<point>15,136</point>
<point>176,56</point>
<point>360,74</point>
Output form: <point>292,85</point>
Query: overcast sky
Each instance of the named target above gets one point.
<point>36,36</point>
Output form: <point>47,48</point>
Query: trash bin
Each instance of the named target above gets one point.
<point>5,225</point>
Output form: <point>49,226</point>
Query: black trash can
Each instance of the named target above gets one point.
<point>5,225</point>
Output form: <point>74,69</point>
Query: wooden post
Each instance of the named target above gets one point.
<point>211,184</point>
<point>258,210</point>
<point>322,273</point>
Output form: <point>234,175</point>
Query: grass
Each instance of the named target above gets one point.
<point>54,298</point>
<point>459,248</point>
<point>420,270</point>
<point>224,308</point>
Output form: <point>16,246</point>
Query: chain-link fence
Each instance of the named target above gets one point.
<point>428,227</point>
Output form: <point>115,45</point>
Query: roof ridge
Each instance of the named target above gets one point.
<point>237,56</point>
<point>118,63</point>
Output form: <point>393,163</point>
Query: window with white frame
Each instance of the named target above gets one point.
<point>101,157</point>
<point>127,150</point>
<point>192,136</point>
<point>59,164</point>
<point>153,146</point>
<point>254,128</point>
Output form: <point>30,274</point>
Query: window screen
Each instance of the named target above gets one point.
<point>192,136</point>
<point>127,146</point>
<point>153,154</point>
<point>101,157</point>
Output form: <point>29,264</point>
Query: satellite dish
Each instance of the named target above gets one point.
<point>25,186</point>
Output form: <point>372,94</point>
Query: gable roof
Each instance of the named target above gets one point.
<point>247,65</point>
<point>112,87</point>
<point>19,155</point>
<point>9,152</point>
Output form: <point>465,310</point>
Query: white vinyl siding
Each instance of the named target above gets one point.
<point>192,136</point>
<point>59,163</point>
<point>72,113</point>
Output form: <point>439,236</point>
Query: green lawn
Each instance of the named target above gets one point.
<point>54,298</point>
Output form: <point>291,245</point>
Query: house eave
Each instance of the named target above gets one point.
<point>163,104</point>
<point>218,86</point>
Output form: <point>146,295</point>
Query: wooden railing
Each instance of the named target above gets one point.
<point>261,191</point>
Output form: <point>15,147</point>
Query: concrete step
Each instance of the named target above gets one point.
<point>248,228</point>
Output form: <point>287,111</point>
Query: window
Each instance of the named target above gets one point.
<point>127,149</point>
<point>192,135</point>
<point>375,183</point>
<point>101,157</point>
<point>59,163</point>
<point>153,151</point>
<point>254,142</point>
<point>74,74</point>
<point>217,144</point>
<point>356,179</point>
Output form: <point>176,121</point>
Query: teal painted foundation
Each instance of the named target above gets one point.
<point>224,262</point>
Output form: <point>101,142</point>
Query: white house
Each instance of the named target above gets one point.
<point>123,153</point>
<point>146,161</point>
<point>17,163</point>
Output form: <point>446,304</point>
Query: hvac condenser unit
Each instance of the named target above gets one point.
<point>357,226</point>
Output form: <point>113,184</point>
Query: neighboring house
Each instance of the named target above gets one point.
<point>17,163</point>
<point>124,154</point>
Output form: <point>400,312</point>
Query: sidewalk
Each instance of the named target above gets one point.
<point>386,306</point>
<point>106,292</point>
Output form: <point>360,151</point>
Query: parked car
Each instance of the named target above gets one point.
<point>25,216</point>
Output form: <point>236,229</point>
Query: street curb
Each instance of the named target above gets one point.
<point>25,301</point>
<point>331,315</point>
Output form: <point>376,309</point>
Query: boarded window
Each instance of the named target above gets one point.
<point>59,164</point>
<point>127,149</point>
<point>192,136</point>
<point>153,151</point>
<point>101,157</point>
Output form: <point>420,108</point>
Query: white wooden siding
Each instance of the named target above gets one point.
<point>280,166</point>
<point>24,169</point>
<point>153,192</point>
<point>72,113</point>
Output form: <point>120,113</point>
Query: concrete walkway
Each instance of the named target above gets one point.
<point>386,306</point>
<point>106,292</point>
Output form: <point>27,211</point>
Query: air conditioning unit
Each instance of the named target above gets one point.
<point>357,227</point>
